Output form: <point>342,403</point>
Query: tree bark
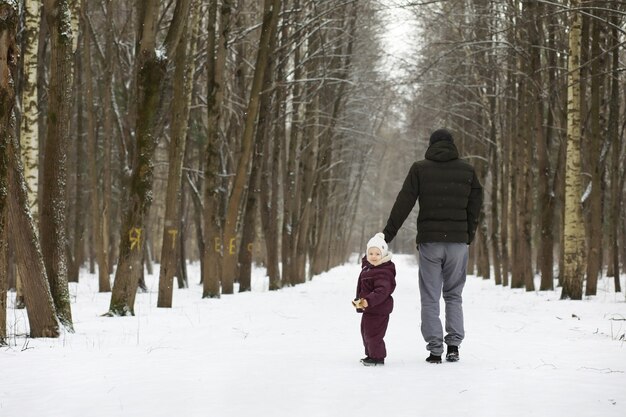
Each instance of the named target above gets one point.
<point>229,264</point>
<point>216,57</point>
<point>41,312</point>
<point>546,215</point>
<point>54,198</point>
<point>270,178</point>
<point>96,221</point>
<point>291,145</point>
<point>574,232</point>
<point>594,254</point>
<point>29,139</point>
<point>104,226</point>
<point>8,50</point>
<point>4,254</point>
<point>152,67</point>
<point>613,133</point>
<point>183,80</point>
<point>29,133</point>
<point>76,181</point>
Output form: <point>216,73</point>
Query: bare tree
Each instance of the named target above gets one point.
<point>96,213</point>
<point>613,134</point>
<point>183,79</point>
<point>52,225</point>
<point>150,76</point>
<point>216,52</point>
<point>41,311</point>
<point>271,10</point>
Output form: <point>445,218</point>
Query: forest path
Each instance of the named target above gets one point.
<point>295,352</point>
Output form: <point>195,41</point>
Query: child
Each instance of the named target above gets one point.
<point>373,298</point>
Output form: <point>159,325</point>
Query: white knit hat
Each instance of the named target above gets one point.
<point>378,241</point>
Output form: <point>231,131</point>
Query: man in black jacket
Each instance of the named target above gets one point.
<point>450,198</point>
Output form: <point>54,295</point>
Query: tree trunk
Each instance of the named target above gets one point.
<point>526,200</point>
<point>574,232</point>
<point>594,254</point>
<point>54,202</point>
<point>249,229</point>
<point>273,182</point>
<point>7,103</point>
<point>546,237</point>
<point>76,186</point>
<point>216,57</point>
<point>270,180</point>
<point>41,313</point>
<point>309,147</point>
<point>229,264</point>
<point>517,277</point>
<point>308,152</point>
<point>183,80</point>
<point>4,254</point>
<point>96,220</point>
<point>29,138</point>
<point>290,176</point>
<point>613,133</point>
<point>150,79</point>
<point>495,153</point>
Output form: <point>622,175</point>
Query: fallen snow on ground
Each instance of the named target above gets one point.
<point>295,352</point>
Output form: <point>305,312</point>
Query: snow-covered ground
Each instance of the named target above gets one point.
<point>295,352</point>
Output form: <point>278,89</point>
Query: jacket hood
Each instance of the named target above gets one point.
<point>442,151</point>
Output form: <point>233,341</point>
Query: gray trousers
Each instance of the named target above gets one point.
<point>442,266</point>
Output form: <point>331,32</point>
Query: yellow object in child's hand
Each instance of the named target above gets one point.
<point>360,303</point>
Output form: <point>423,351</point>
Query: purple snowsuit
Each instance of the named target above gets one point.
<point>376,283</point>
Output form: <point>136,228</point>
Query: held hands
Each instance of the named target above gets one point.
<point>360,303</point>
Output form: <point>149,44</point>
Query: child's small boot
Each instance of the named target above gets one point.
<point>372,362</point>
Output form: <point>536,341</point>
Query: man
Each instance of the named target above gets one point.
<point>450,198</point>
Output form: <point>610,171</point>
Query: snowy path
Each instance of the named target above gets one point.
<point>295,353</point>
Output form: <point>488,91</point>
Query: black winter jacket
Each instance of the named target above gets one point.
<point>450,198</point>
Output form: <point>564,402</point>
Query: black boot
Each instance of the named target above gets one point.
<point>372,362</point>
<point>433,359</point>
<point>452,354</point>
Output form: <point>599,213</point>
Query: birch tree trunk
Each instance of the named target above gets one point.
<point>29,138</point>
<point>152,67</point>
<point>183,83</point>
<point>54,199</point>
<point>574,233</point>
<point>29,133</point>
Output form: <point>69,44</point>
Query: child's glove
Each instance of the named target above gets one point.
<point>359,303</point>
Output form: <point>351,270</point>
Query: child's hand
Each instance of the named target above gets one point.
<point>360,303</point>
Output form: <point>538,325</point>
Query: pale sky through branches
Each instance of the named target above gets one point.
<point>400,38</point>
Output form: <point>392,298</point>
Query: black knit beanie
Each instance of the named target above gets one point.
<point>439,135</point>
